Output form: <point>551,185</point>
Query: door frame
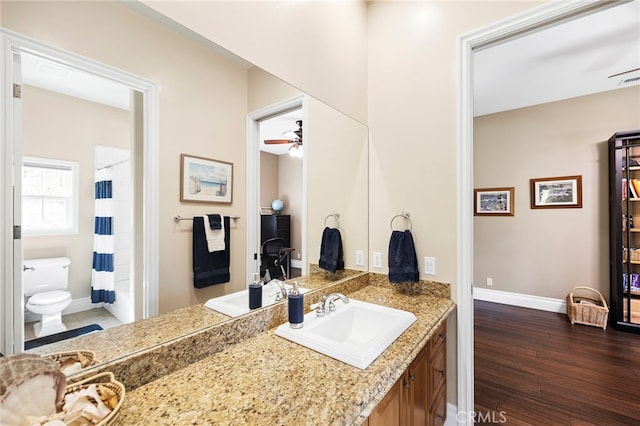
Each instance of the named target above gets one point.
<point>534,19</point>
<point>12,321</point>
<point>253,178</point>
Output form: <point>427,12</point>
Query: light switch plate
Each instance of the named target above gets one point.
<point>377,259</point>
<point>360,257</point>
<point>429,265</point>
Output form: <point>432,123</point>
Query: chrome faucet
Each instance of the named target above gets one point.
<point>328,303</point>
<point>283,290</point>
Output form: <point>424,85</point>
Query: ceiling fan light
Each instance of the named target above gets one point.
<point>296,150</point>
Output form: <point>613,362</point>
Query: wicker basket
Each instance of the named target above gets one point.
<point>85,358</point>
<point>105,380</point>
<point>589,310</point>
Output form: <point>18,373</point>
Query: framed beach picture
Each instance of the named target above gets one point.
<point>205,180</point>
<point>556,192</point>
<point>493,201</point>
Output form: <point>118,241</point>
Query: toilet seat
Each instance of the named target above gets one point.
<point>49,297</point>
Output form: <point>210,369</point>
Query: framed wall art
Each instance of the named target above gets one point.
<point>205,180</point>
<point>493,201</point>
<point>556,192</point>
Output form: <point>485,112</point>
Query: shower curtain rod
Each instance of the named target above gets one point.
<point>114,164</point>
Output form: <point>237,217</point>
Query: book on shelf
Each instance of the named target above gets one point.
<point>635,282</point>
<point>624,189</point>
<point>632,190</point>
<point>636,186</point>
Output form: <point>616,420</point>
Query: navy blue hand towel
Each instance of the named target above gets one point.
<point>215,221</point>
<point>331,250</point>
<point>403,262</point>
<point>209,268</point>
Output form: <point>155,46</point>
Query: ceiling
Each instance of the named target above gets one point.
<point>50,75</point>
<point>570,59</point>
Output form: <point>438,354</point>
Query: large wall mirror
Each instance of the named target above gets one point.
<point>333,178</point>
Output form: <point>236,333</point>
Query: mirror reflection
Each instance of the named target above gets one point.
<point>331,177</point>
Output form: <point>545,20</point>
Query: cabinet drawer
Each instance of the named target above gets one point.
<point>438,411</point>
<point>438,339</point>
<point>437,371</point>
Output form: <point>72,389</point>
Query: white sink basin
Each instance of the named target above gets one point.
<point>356,333</point>
<point>236,304</point>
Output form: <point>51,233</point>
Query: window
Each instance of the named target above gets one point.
<point>49,196</point>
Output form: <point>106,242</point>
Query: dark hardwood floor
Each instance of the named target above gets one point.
<point>535,368</point>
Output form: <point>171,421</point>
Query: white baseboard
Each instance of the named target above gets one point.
<point>452,413</point>
<point>524,300</point>
<point>76,305</point>
<point>296,263</point>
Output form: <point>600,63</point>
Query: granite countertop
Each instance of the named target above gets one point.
<point>269,380</point>
<point>127,339</point>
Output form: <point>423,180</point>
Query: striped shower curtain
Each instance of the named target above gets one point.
<point>102,276</point>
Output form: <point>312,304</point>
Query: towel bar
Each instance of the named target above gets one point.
<point>405,214</point>
<point>178,218</point>
<point>336,216</point>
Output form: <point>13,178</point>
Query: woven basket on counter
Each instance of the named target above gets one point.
<point>104,381</point>
<point>590,310</point>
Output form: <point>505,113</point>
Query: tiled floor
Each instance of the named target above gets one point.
<point>98,316</point>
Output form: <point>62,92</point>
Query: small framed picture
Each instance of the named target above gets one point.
<point>266,210</point>
<point>493,201</point>
<point>556,192</point>
<point>205,180</point>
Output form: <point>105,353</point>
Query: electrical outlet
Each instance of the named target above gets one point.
<point>377,259</point>
<point>429,265</point>
<point>489,282</point>
<point>360,257</point>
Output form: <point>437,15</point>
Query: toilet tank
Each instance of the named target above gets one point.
<point>45,275</point>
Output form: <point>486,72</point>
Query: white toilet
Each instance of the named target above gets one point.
<point>45,280</point>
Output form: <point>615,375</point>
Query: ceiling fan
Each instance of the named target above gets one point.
<point>293,136</point>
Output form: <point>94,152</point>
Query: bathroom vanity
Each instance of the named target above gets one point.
<point>241,372</point>
<point>268,380</point>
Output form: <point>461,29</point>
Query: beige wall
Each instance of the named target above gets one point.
<point>318,47</point>
<point>266,90</point>
<point>269,172</point>
<point>337,180</point>
<point>61,127</point>
<point>203,105</point>
<point>548,252</point>
<point>290,191</point>
<point>412,121</point>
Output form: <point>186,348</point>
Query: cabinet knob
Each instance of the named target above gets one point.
<point>406,384</point>
<point>440,371</point>
<point>412,376</point>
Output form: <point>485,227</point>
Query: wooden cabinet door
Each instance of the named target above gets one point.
<point>438,412</point>
<point>419,397</point>
<point>417,402</point>
<point>387,413</point>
